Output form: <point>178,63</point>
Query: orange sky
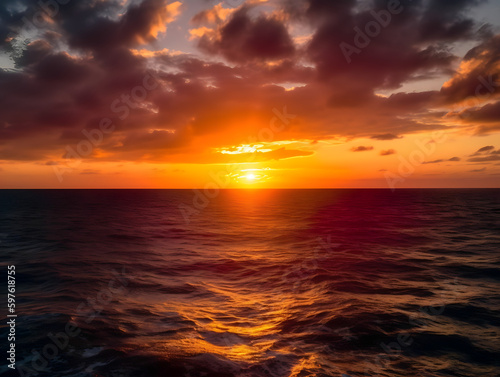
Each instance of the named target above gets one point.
<point>260,94</point>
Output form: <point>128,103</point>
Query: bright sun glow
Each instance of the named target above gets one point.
<point>251,177</point>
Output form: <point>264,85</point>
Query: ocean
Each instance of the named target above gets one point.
<point>251,283</point>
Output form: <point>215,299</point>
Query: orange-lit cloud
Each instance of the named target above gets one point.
<point>162,17</point>
<point>200,32</point>
<point>215,15</point>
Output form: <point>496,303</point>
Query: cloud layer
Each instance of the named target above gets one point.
<point>88,62</point>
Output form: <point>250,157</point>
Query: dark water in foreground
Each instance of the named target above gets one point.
<point>271,283</point>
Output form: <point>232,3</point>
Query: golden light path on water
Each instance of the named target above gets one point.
<point>226,325</point>
<point>241,324</point>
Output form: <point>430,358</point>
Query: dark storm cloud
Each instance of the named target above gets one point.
<point>91,28</point>
<point>480,77</point>
<point>33,53</point>
<point>243,38</point>
<point>92,25</point>
<point>448,20</point>
<point>409,43</point>
<point>58,94</point>
<point>11,14</point>
<point>385,60</point>
<point>486,114</point>
<point>20,16</point>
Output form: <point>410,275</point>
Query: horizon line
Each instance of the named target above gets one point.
<point>261,188</point>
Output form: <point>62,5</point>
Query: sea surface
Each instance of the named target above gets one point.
<point>250,283</point>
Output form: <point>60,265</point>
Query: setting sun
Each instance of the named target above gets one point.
<point>251,177</point>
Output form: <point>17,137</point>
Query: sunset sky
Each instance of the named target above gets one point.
<point>262,93</point>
